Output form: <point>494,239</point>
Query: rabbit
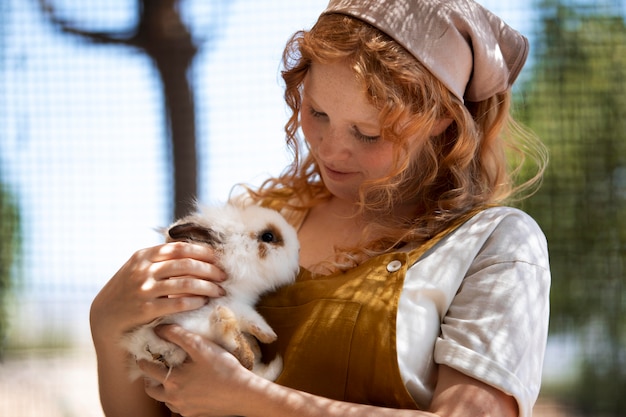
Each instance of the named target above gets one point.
<point>259,252</point>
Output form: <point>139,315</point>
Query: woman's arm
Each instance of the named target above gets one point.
<point>118,395</point>
<point>154,282</point>
<point>457,394</point>
<point>213,383</point>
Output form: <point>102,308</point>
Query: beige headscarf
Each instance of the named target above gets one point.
<point>471,50</point>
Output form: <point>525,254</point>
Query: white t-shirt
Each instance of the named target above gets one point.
<point>478,302</point>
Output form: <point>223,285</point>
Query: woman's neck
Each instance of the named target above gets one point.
<point>332,224</point>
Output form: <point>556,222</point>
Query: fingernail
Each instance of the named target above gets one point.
<point>222,291</point>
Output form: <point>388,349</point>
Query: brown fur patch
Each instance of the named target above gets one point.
<point>270,236</point>
<point>243,352</point>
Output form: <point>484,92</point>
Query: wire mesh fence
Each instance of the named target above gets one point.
<point>86,160</point>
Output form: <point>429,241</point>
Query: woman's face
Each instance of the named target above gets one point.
<point>342,130</point>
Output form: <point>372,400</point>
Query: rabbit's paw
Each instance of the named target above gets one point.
<point>228,334</point>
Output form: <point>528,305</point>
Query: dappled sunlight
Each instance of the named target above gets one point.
<point>84,157</point>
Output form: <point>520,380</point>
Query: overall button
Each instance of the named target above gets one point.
<point>394,266</point>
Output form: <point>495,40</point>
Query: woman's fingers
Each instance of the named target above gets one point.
<point>189,342</point>
<point>180,250</point>
<point>184,388</point>
<point>181,259</point>
<point>186,267</point>
<point>173,305</point>
<point>157,281</point>
<point>183,286</point>
<point>180,269</point>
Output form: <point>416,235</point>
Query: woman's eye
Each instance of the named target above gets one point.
<point>365,138</point>
<point>315,113</point>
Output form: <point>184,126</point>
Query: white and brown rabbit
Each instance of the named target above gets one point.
<point>258,250</point>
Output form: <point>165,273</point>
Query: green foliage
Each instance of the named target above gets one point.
<point>9,245</point>
<point>576,102</point>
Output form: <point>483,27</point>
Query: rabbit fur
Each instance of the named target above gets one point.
<point>258,250</point>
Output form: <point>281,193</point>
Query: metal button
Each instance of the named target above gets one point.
<point>394,266</point>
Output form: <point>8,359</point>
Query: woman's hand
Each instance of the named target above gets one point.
<point>161,280</point>
<point>207,384</point>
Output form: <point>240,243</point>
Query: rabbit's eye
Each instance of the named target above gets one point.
<point>267,237</point>
<point>271,235</point>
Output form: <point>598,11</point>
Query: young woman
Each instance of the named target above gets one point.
<point>420,293</point>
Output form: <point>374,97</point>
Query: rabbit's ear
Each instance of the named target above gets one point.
<point>195,233</point>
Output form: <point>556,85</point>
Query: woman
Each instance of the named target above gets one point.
<point>419,294</point>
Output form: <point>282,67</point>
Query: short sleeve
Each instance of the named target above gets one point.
<point>495,329</point>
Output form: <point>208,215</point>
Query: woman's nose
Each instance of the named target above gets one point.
<point>333,145</point>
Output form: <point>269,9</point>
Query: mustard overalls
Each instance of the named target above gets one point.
<point>337,333</point>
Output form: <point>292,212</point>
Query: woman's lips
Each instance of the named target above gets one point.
<point>336,175</point>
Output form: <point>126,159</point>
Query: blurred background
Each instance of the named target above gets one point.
<point>114,114</point>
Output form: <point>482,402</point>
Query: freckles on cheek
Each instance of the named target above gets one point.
<point>307,125</point>
<point>381,162</point>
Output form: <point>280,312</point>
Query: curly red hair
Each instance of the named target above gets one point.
<point>464,167</point>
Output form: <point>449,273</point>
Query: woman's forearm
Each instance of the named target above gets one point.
<point>119,395</point>
<point>264,398</point>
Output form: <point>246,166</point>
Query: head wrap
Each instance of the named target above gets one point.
<point>469,49</point>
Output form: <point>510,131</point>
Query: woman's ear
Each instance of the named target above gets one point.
<point>440,126</point>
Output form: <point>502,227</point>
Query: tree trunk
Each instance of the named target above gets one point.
<point>163,36</point>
